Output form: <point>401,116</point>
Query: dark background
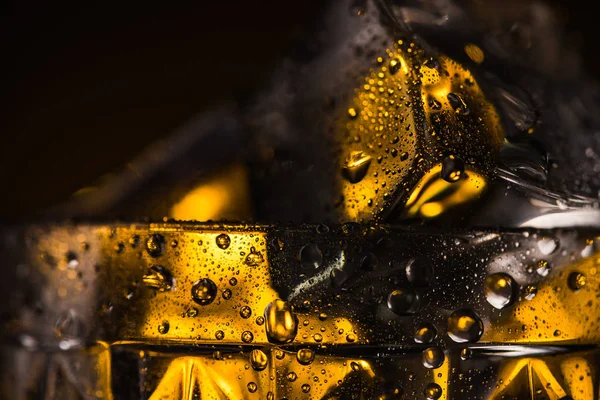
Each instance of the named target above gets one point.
<point>86,85</point>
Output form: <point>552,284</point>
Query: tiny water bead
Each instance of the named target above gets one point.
<point>305,356</point>
<point>499,290</point>
<point>223,241</point>
<point>204,291</point>
<point>291,376</point>
<point>432,391</point>
<point>425,333</point>
<point>254,258</point>
<point>419,271</point>
<point>310,256</point>
<point>452,169</point>
<point>306,388</point>
<point>432,357</point>
<point>219,335</point>
<point>281,324</point>
<point>576,281</point>
<point>155,245</point>
<point>403,301</point>
<point>227,293</point>
<point>258,360</point>
<point>159,278</point>
<point>529,292</point>
<point>542,268</point>
<point>464,326</point>
<point>247,337</point>
<point>252,387</point>
<point>356,166</point>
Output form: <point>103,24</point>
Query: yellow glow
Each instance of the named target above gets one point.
<point>441,376</point>
<point>225,195</point>
<point>475,53</point>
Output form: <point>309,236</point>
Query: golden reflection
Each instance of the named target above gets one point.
<point>226,195</point>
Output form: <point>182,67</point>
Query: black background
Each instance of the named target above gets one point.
<point>86,85</point>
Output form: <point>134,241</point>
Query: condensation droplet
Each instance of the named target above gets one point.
<point>425,333</point>
<point>247,337</point>
<point>529,292</point>
<point>227,293</point>
<point>464,326</point>
<point>306,388</point>
<point>254,258</point>
<point>432,357</point>
<point>419,271</point>
<point>432,391</point>
<point>499,290</point>
<point>542,268</point>
<point>204,291</point>
<point>252,387</point>
<point>356,166</point>
<point>310,256</point>
<point>547,245</point>
<point>155,245</point>
<point>245,312</point>
<point>258,360</point>
<point>281,322</point>
<point>305,356</point>
<point>291,376</point>
<point>163,327</point>
<point>219,335</point>
<point>223,241</point>
<point>465,354</point>
<point>158,278</point>
<point>403,301</point>
<point>576,281</point>
<point>452,169</point>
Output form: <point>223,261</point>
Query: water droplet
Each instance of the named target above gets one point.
<point>464,326</point>
<point>223,241</point>
<point>254,258</point>
<point>252,387</point>
<point>355,366</point>
<point>245,312</point>
<point>529,292</point>
<point>68,325</point>
<point>500,290</point>
<point>174,243</point>
<point>542,268</point>
<point>260,320</point>
<point>204,291</point>
<point>305,356</point>
<point>452,169</point>
<point>119,247</point>
<point>350,338</point>
<point>310,256</point>
<point>576,281</point>
<point>465,354</point>
<point>547,245</point>
<point>247,337</point>
<point>419,271</point>
<point>432,391</point>
<point>369,262</point>
<point>403,301</point>
<point>306,388</point>
<point>356,166</point>
<point>557,333</point>
<point>270,396</point>
<point>191,312</point>
<point>279,354</point>
<point>291,376</point>
<point>281,322</point>
<point>394,66</point>
<point>432,357</point>
<point>318,337</point>
<point>233,281</point>
<point>352,113</point>
<point>258,360</point>
<point>322,229</point>
<point>163,327</point>
<point>425,333</point>
<point>219,335</point>
<point>134,241</point>
<point>155,245</point>
<point>158,278</point>
<point>71,259</point>
<point>227,293</point>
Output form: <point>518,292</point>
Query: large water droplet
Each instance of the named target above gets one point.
<point>500,290</point>
<point>155,245</point>
<point>310,256</point>
<point>356,166</point>
<point>452,168</point>
<point>419,271</point>
<point>547,245</point>
<point>403,301</point>
<point>163,327</point>
<point>223,241</point>
<point>204,291</point>
<point>305,356</point>
<point>432,357</point>
<point>464,326</point>
<point>158,278</point>
<point>258,360</point>
<point>425,333</point>
<point>576,281</point>
<point>432,391</point>
<point>281,323</point>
